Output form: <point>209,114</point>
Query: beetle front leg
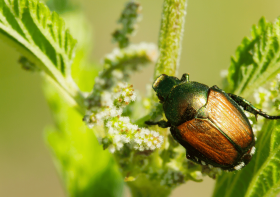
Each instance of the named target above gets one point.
<point>162,123</point>
<point>247,106</point>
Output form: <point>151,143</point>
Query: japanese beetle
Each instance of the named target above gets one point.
<point>208,122</point>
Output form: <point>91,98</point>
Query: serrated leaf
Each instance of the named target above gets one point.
<point>39,35</point>
<point>256,60</point>
<point>261,177</point>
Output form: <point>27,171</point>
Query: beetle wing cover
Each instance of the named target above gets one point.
<point>202,135</point>
<point>228,116</point>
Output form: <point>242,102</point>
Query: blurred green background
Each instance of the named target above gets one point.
<point>213,31</point>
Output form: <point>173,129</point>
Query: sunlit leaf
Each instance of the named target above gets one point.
<point>256,60</point>
<point>40,36</point>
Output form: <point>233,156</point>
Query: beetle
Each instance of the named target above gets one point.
<point>209,123</point>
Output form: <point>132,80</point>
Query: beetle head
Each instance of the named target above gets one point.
<point>163,85</point>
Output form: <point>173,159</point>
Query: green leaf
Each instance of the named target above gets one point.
<point>41,36</point>
<point>34,28</point>
<point>261,177</point>
<point>256,60</point>
<point>86,169</point>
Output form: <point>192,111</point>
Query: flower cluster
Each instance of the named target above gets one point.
<point>124,95</point>
<point>119,129</point>
<point>129,17</point>
<point>118,66</point>
<point>133,55</point>
<point>111,104</point>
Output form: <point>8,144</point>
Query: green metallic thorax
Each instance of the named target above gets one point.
<point>181,99</point>
<point>184,101</point>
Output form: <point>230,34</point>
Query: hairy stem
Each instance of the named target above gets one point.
<point>170,38</point>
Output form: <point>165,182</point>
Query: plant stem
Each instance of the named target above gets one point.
<point>170,38</point>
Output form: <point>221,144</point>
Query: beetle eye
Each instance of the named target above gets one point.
<point>160,98</point>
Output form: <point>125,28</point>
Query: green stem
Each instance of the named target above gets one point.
<point>170,38</point>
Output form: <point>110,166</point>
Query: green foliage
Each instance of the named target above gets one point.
<point>256,60</point>
<point>42,38</point>
<point>156,168</point>
<point>39,32</point>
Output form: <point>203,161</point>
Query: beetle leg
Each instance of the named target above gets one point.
<point>185,77</point>
<point>247,106</point>
<point>162,123</point>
